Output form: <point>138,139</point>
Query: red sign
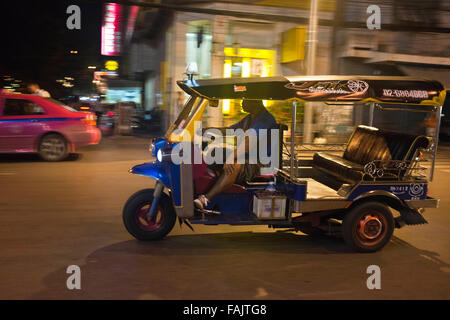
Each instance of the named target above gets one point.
<point>239,88</point>
<point>133,12</point>
<point>112,30</point>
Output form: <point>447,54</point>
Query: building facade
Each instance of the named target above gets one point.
<point>270,38</point>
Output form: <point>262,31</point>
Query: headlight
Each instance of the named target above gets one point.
<point>159,155</point>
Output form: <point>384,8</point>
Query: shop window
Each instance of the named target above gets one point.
<point>198,47</point>
<point>245,63</point>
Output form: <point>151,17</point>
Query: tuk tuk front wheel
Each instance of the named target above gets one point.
<point>137,222</point>
<point>368,227</point>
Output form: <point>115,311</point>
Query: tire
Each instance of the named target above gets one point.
<point>134,216</point>
<point>368,227</point>
<point>53,147</point>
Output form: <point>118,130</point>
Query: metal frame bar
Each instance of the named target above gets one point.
<point>415,164</point>
<point>423,203</point>
<point>371,111</point>
<point>293,154</point>
<point>293,125</point>
<point>156,195</point>
<point>436,140</point>
<point>380,107</point>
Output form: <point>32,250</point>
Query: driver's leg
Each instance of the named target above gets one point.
<point>225,181</point>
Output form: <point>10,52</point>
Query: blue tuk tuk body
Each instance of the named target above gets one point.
<point>350,195</point>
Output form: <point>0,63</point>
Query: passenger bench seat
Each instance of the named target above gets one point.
<point>365,145</point>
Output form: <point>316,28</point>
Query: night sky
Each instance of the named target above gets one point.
<point>36,43</point>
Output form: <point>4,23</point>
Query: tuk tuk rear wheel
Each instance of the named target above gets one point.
<point>368,227</point>
<point>135,216</point>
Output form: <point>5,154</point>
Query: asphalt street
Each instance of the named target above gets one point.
<point>53,215</point>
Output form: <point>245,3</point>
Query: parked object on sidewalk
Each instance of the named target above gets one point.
<point>106,118</point>
<point>351,195</point>
<point>125,112</point>
<point>148,122</point>
<point>30,123</point>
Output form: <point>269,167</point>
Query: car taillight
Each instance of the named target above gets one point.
<point>89,120</point>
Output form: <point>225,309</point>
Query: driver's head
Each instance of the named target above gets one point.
<point>252,106</point>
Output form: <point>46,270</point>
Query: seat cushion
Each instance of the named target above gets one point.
<point>365,145</point>
<point>342,169</point>
<point>368,144</point>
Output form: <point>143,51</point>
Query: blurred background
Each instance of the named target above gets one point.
<point>122,65</point>
<point>128,57</point>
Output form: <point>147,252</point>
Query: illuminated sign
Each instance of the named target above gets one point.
<point>111,65</point>
<point>293,44</point>
<point>111,44</point>
<point>240,88</point>
<point>102,75</point>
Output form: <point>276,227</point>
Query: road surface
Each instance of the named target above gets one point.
<point>53,215</point>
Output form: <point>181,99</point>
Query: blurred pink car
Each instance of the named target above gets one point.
<point>30,123</point>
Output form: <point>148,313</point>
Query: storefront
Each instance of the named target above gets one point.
<point>245,62</point>
<point>221,46</point>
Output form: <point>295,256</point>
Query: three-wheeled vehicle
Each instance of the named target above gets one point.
<point>379,182</point>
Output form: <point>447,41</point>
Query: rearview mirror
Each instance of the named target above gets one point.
<point>213,103</point>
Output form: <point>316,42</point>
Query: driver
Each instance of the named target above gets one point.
<point>257,119</point>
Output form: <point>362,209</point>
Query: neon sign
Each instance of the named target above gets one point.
<point>111,30</point>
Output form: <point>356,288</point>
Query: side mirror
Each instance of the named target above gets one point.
<point>213,103</point>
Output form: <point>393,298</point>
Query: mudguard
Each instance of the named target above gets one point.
<point>172,176</point>
<point>155,170</point>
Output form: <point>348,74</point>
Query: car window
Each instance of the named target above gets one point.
<point>21,107</point>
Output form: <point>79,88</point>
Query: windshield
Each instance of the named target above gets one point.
<point>183,118</point>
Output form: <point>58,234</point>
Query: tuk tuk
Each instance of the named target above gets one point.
<point>377,183</point>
